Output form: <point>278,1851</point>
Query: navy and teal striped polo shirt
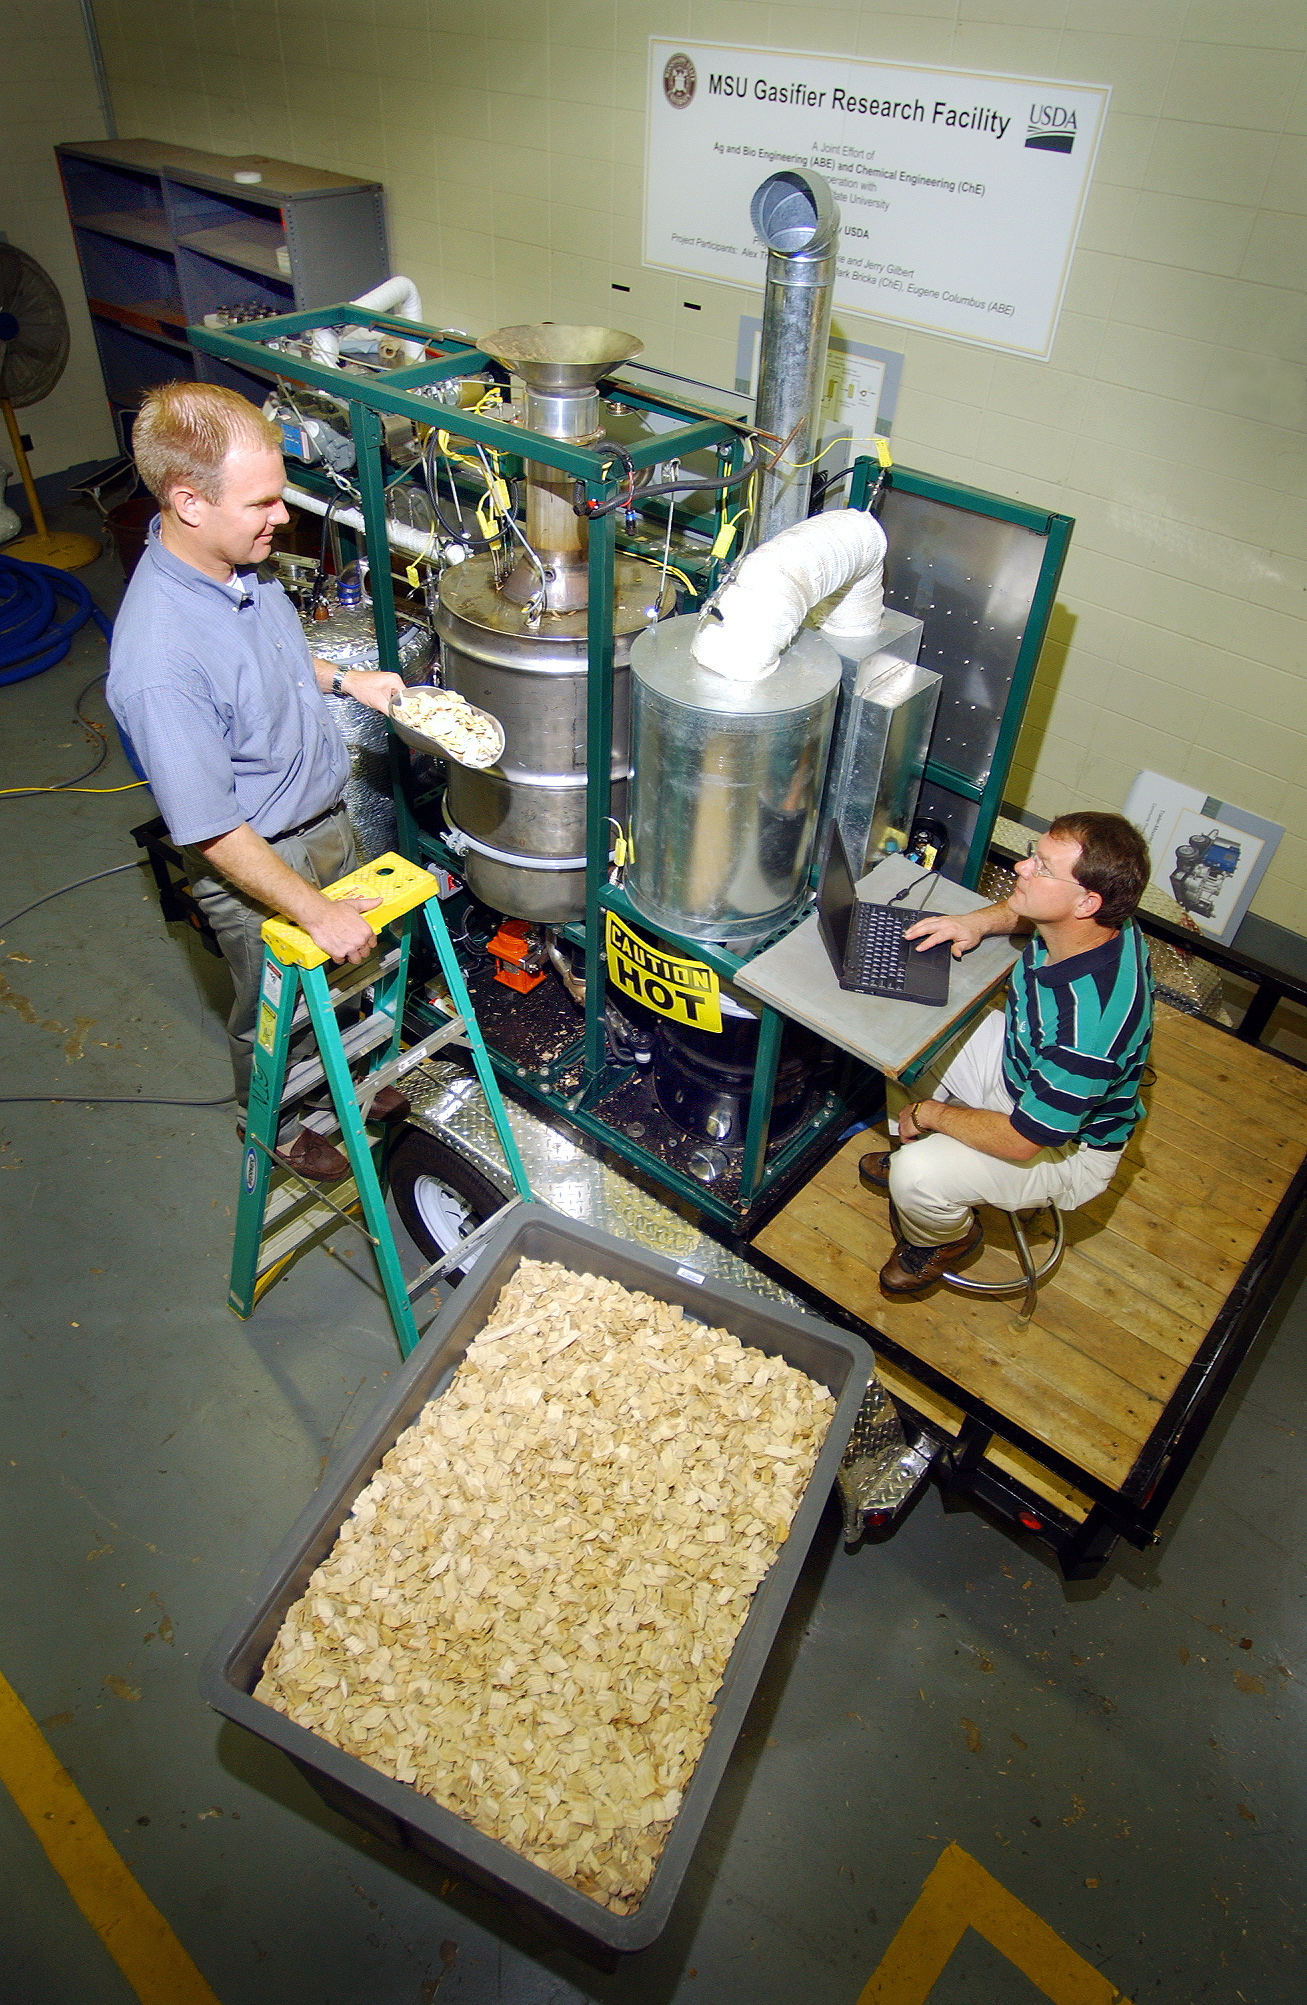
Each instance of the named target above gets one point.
<point>1076,1040</point>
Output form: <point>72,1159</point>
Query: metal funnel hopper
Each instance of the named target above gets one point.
<point>553,356</point>
<point>560,366</point>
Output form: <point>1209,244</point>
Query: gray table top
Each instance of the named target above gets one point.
<point>897,1038</point>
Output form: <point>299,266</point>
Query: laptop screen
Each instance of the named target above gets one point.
<point>836,898</point>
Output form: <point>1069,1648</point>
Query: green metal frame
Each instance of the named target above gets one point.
<point>1056,531</point>
<point>603,480</point>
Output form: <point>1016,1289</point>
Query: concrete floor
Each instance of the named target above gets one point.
<point>1125,1756</point>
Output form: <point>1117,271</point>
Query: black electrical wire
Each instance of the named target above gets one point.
<point>686,484</point>
<point>473,544</point>
<point>61,786</point>
<point>92,1099</point>
<point>76,885</point>
<point>326,531</point>
<point>824,484</point>
<point>911,887</point>
<point>104,1100</point>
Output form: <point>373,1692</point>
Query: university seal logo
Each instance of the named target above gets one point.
<point>679,80</point>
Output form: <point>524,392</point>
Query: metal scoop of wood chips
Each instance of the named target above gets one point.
<point>529,1610</point>
<point>445,724</point>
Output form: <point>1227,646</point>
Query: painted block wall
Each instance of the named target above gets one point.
<point>1169,421</point>
<point>47,93</point>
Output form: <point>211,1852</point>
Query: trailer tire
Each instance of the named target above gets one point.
<point>439,1196</point>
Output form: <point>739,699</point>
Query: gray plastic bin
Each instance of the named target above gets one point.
<point>392,1810</point>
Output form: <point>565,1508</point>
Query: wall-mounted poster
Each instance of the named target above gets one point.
<point>960,194</point>
<point>1209,856</point>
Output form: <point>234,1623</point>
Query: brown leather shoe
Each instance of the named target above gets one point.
<point>910,1269</point>
<point>315,1160</point>
<point>873,1171</point>
<point>389,1105</point>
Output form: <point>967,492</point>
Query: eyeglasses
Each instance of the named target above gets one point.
<point>1042,870</point>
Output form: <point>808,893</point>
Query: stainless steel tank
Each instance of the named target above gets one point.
<point>726,786</point>
<point>524,819</point>
<point>516,644</point>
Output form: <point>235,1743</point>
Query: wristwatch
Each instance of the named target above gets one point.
<point>338,682</point>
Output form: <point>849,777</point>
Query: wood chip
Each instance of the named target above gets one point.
<point>528,1613</point>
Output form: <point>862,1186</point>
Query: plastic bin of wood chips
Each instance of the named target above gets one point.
<point>527,1625</point>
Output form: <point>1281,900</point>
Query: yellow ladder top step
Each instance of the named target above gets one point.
<point>399,884</point>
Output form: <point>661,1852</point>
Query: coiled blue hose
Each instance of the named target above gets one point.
<point>31,638</point>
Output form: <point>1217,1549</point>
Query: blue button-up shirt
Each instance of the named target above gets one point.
<point>214,686</point>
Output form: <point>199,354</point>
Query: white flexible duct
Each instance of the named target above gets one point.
<point>417,542</point>
<point>396,295</point>
<point>836,558</point>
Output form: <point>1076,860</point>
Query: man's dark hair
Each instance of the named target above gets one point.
<point>1113,861</point>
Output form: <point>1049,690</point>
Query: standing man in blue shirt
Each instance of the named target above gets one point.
<point>1037,1104</point>
<point>213,683</point>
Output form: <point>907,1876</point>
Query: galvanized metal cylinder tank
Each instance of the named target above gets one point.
<point>525,818</point>
<point>727,780</point>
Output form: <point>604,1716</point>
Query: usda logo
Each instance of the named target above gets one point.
<point>1051,128</point>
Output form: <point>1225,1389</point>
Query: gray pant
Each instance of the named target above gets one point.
<point>322,854</point>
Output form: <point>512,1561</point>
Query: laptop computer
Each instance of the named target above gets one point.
<point>865,941</point>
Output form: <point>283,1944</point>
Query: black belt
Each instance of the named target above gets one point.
<point>303,827</point>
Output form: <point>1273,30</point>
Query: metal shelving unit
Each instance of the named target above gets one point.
<point>166,234</point>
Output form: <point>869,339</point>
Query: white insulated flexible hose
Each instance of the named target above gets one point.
<point>400,535</point>
<point>396,295</point>
<point>835,561</point>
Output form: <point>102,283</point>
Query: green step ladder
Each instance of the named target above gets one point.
<point>275,1220</point>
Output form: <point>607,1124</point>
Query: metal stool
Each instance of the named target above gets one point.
<point>1031,1276</point>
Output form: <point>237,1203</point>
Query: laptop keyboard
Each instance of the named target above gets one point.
<point>877,955</point>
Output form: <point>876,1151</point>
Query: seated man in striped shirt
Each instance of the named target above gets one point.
<point>1035,1105</point>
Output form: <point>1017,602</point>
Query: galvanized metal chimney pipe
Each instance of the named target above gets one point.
<point>795,214</point>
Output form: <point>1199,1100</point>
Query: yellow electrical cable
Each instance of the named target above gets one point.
<point>658,565</point>
<point>459,459</point>
<point>76,790</point>
<point>874,440</point>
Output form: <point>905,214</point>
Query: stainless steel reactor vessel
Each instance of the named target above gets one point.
<point>517,646</point>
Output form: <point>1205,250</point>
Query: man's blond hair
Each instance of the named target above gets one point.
<point>184,432</point>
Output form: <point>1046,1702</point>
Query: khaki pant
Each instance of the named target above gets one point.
<point>935,1182</point>
<point>322,854</point>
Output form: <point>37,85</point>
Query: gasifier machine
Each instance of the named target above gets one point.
<point>603,977</point>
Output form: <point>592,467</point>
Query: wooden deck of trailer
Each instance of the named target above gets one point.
<point>1146,1274</point>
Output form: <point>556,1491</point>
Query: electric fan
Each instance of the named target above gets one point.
<point>33,352</point>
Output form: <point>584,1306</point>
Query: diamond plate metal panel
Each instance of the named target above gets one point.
<point>970,579</point>
<point>447,1101</point>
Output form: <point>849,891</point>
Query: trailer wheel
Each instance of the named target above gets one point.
<point>438,1195</point>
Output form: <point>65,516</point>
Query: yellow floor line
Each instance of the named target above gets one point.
<point>959,1894</point>
<point>131,1928</point>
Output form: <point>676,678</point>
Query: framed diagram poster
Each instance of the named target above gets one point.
<point>960,193</point>
<point>1207,855</point>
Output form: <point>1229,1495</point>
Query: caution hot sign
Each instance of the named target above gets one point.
<point>686,991</point>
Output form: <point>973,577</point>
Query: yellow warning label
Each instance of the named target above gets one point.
<point>686,991</point>
<point>267,1025</point>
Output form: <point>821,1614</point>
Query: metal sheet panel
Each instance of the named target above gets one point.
<point>970,578</point>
